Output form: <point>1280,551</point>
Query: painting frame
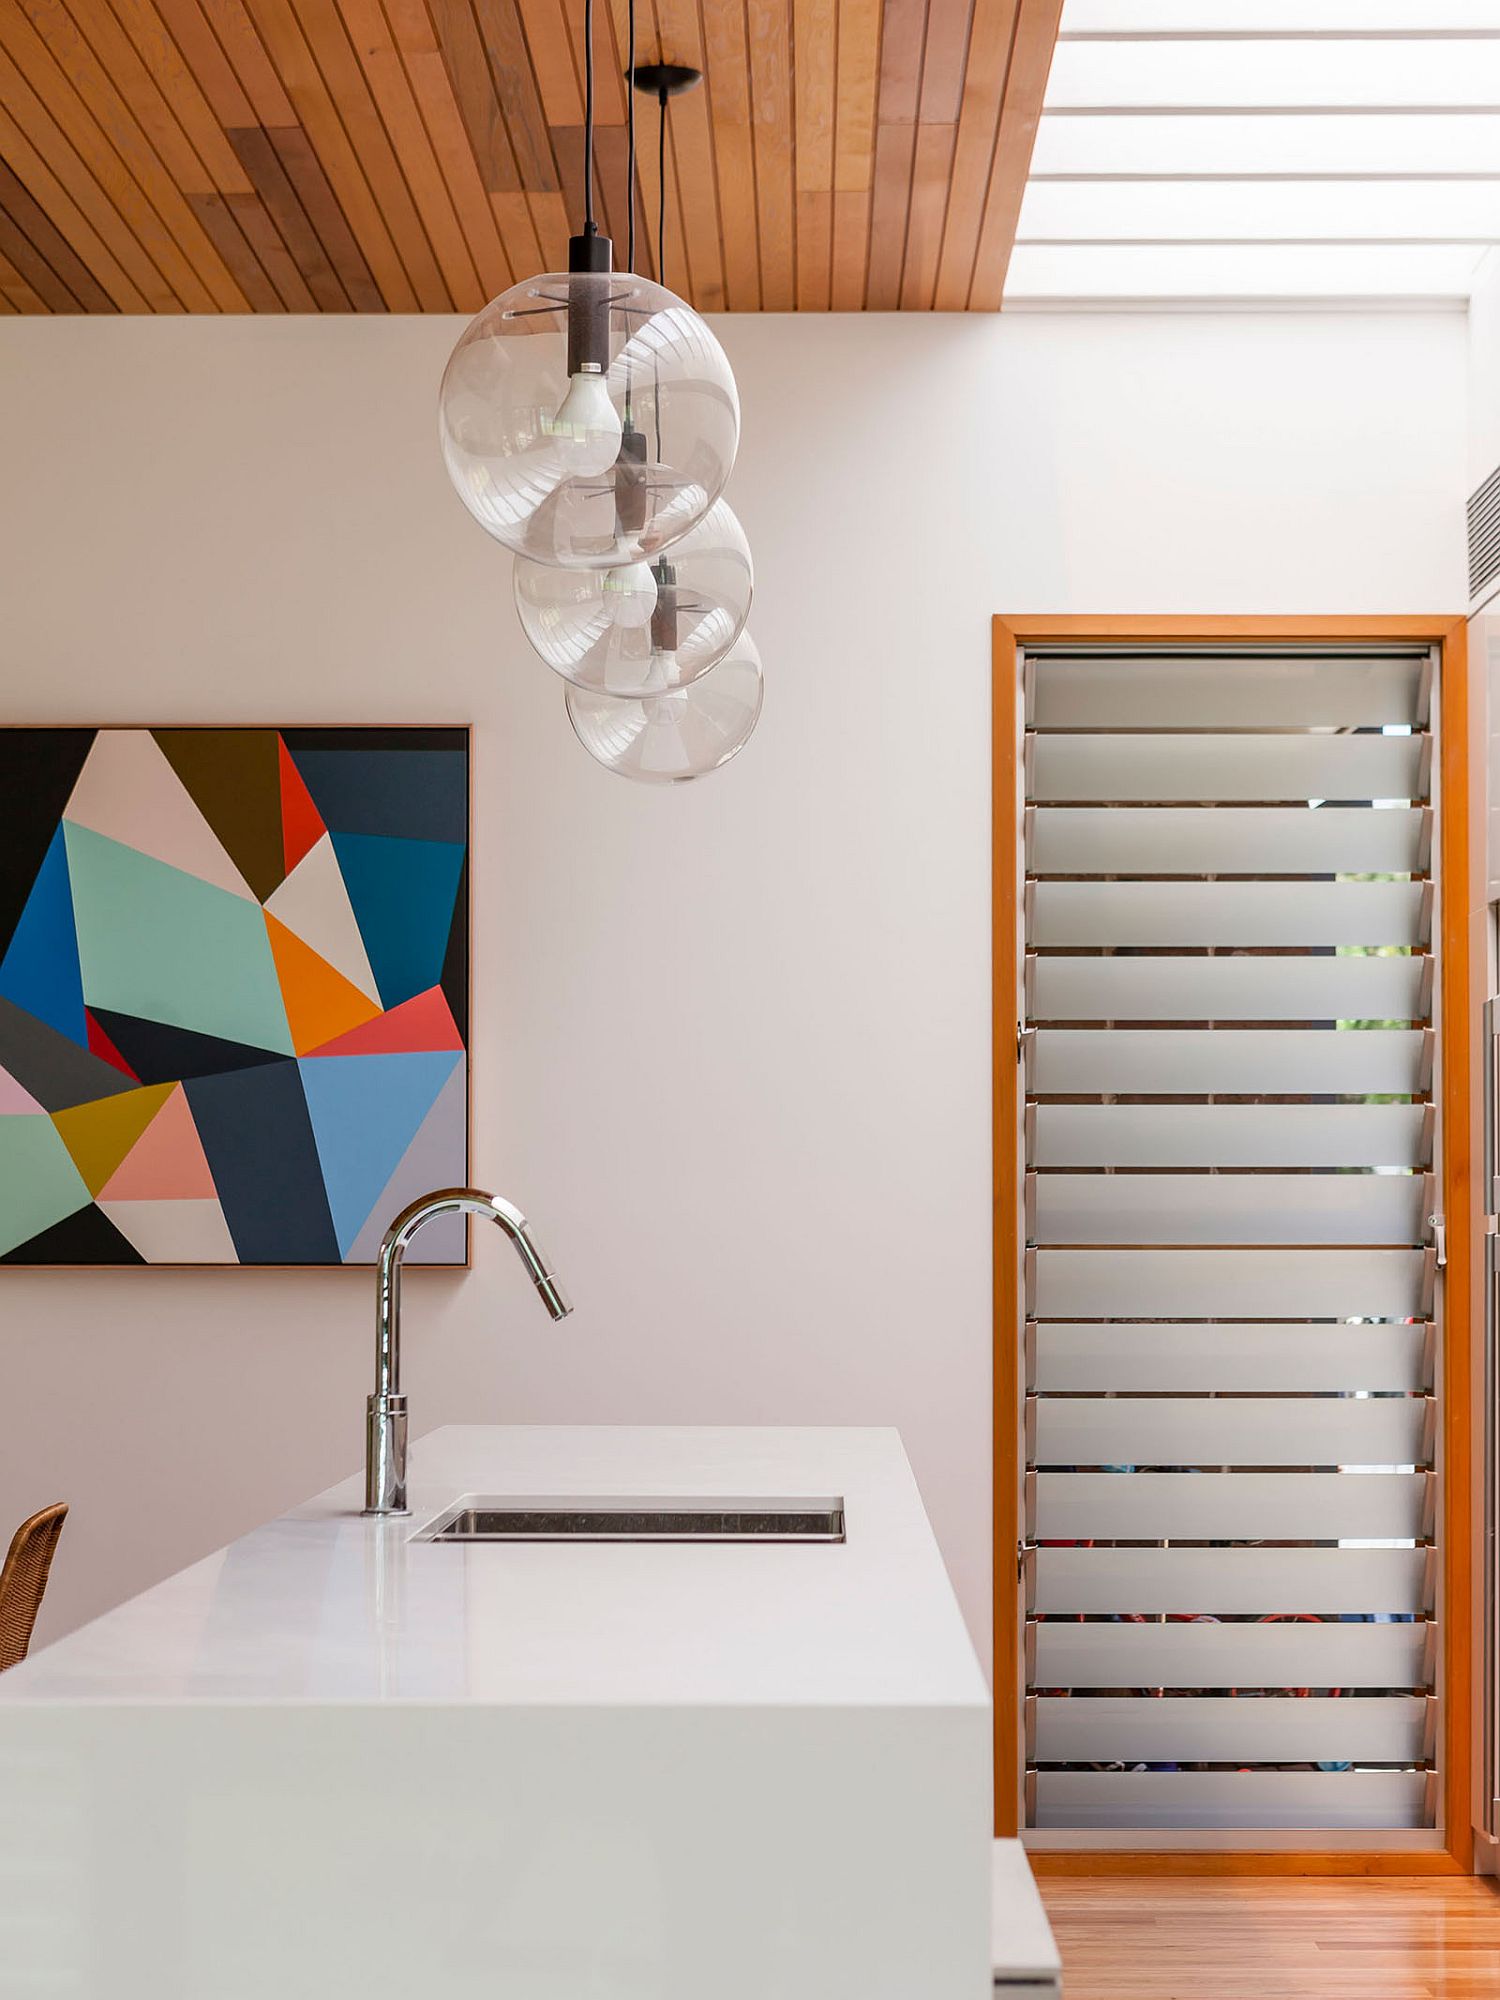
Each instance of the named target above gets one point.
<point>358,737</point>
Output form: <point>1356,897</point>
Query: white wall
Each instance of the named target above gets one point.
<point>732,1042</point>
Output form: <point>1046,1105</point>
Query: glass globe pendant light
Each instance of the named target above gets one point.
<point>588,418</point>
<point>688,715</point>
<point>680,733</point>
<point>646,626</point>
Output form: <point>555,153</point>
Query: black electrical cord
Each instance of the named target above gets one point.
<point>661,192</point>
<point>590,227</point>
<point>630,152</point>
<point>661,240</point>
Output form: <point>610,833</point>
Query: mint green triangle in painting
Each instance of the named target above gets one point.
<point>165,946</point>
<point>39,1183</point>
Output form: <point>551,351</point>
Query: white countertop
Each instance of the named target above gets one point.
<point>325,1606</point>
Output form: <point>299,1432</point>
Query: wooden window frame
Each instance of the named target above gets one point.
<point>1462,948</point>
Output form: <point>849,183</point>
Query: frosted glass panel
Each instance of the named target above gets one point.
<point>1228,1583</point>
<point>1226,840</point>
<point>1209,1729</point>
<point>1228,1062</point>
<point>1178,691</point>
<point>1197,1357</point>
<point>1226,989</point>
<point>1230,1135</point>
<point>1228,1284</point>
<point>1108,914</point>
<point>1230,1506</point>
<point>1289,1654</point>
<point>1332,1799</point>
<point>1228,1430</point>
<point>1191,767</point>
<point>1228,1208</point>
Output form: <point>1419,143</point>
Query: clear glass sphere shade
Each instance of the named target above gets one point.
<point>639,629</point>
<point>665,739</point>
<point>584,470</point>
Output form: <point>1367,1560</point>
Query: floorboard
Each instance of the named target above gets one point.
<point>1181,1938</point>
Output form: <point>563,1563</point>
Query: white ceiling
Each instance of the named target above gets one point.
<point>1223,150</point>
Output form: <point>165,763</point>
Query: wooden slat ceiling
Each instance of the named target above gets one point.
<point>422,155</point>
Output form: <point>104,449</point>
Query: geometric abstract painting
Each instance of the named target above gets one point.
<point>234,976</point>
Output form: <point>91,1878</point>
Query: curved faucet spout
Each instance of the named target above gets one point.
<point>385,1426</point>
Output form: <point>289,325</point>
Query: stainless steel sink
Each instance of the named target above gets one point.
<point>477,1518</point>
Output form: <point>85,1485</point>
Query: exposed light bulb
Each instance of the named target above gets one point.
<point>586,430</point>
<point>630,596</point>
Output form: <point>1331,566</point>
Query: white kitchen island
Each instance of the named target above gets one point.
<point>333,1762</point>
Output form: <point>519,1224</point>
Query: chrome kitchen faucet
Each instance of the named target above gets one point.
<point>385,1418</point>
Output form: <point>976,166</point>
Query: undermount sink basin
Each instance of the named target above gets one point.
<point>476,1518</point>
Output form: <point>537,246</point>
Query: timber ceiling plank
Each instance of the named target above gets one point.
<point>690,139</point>
<point>85,105</point>
<point>815,82</point>
<point>1025,86</point>
<point>727,82</point>
<point>390,89</point>
<point>432,86</point>
<point>991,36</point>
<point>268,179</point>
<point>903,33</point>
<point>16,296</point>
<point>422,155</point>
<point>50,243</point>
<point>858,78</point>
<point>75,172</point>
<point>307,101</point>
<point>32,269</point>
<point>770,34</point>
<point>39,182</point>
<point>323,26</point>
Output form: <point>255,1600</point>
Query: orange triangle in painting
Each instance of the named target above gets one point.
<point>320,1003</point>
<point>167,1162</point>
<point>419,1025</point>
<point>301,825</point>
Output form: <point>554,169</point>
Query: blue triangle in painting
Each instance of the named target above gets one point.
<point>40,969</point>
<point>401,892</point>
<point>365,1112</point>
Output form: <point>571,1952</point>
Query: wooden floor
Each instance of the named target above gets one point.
<point>1180,1938</point>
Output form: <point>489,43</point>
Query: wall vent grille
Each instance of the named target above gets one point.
<point>1484,535</point>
